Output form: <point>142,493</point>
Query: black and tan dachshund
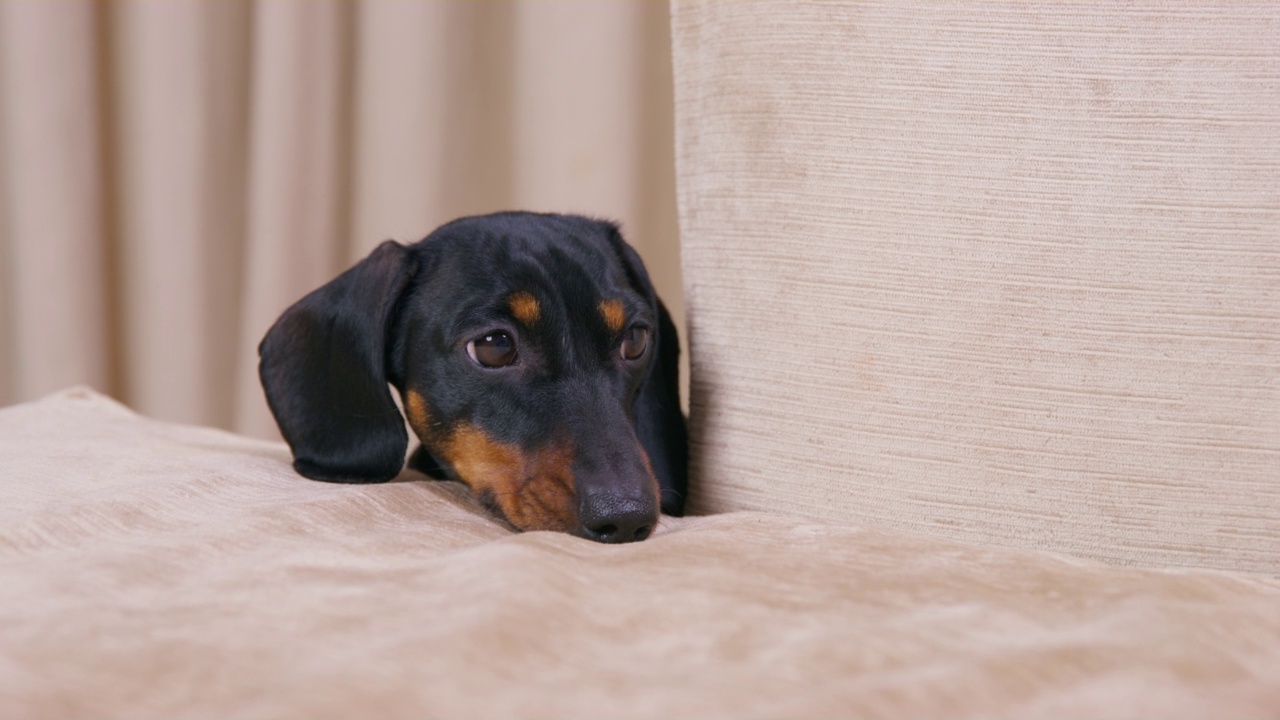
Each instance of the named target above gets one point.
<point>533,360</point>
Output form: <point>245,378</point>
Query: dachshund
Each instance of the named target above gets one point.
<point>533,361</point>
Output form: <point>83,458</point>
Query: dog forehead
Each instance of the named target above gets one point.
<point>568,261</point>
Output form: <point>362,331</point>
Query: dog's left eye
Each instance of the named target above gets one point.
<point>493,349</point>
<point>635,342</point>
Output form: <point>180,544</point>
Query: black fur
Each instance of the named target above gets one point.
<point>404,315</point>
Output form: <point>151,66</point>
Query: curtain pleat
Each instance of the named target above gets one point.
<point>54,241</point>
<point>178,99</point>
<point>431,82</point>
<point>298,182</point>
<point>173,175</point>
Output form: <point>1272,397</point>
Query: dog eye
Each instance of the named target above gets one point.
<point>635,342</point>
<point>493,349</point>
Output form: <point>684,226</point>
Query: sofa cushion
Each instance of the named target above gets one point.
<point>158,570</point>
<point>1006,273</point>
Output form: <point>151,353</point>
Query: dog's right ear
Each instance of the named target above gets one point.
<point>324,369</point>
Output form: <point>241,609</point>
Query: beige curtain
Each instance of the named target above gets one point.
<point>174,174</point>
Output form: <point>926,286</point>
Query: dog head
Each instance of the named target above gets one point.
<point>533,359</point>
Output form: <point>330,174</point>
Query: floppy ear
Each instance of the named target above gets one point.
<point>660,423</point>
<point>324,369</point>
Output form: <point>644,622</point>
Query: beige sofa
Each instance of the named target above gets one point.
<point>985,334</point>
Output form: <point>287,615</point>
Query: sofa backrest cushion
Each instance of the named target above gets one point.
<point>1002,273</point>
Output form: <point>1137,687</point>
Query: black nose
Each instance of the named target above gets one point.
<point>610,519</point>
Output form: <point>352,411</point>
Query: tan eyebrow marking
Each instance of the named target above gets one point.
<point>613,314</point>
<point>524,307</point>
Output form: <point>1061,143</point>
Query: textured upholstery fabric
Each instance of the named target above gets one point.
<point>157,570</point>
<point>999,272</point>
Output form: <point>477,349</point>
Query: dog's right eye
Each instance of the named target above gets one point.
<point>493,349</point>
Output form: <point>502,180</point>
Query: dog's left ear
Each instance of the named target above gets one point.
<point>660,423</point>
<point>324,369</point>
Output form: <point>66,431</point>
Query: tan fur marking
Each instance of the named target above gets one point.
<point>415,407</point>
<point>653,477</point>
<point>533,490</point>
<point>613,314</point>
<point>525,307</point>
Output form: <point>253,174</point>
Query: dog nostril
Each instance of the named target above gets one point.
<point>612,520</point>
<point>615,533</point>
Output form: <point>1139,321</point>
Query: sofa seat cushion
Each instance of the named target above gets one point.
<point>157,570</point>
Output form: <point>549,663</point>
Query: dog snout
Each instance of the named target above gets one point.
<point>610,518</point>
